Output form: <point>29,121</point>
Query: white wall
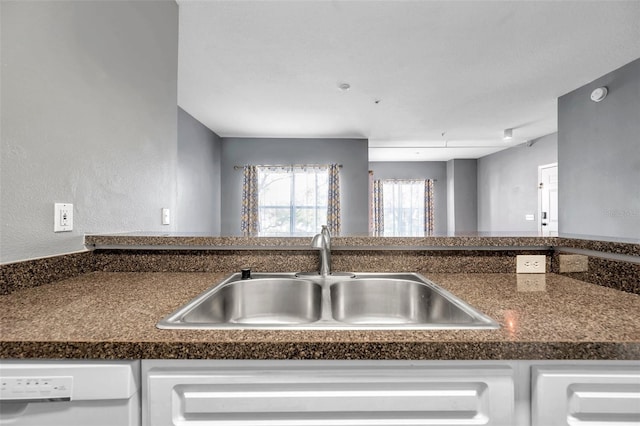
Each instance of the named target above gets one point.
<point>89,95</point>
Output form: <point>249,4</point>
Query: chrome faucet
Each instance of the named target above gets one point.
<point>322,242</point>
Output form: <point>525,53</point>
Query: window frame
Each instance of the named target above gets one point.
<point>293,207</point>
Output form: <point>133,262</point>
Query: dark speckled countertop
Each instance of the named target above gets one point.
<point>113,315</point>
<point>200,241</point>
<point>149,240</point>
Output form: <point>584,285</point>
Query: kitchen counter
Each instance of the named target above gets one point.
<point>113,315</point>
<point>197,241</point>
<point>207,242</point>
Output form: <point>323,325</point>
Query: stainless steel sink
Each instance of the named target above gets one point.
<point>393,301</point>
<point>365,301</point>
<point>284,301</point>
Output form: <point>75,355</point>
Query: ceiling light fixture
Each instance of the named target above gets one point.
<point>344,86</point>
<point>599,94</point>
<point>508,134</point>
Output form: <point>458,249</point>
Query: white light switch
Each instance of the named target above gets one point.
<point>166,216</point>
<point>62,217</point>
<point>529,217</point>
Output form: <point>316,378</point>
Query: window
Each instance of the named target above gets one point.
<point>292,200</point>
<point>403,208</point>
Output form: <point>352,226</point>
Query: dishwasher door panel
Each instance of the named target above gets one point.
<point>69,393</point>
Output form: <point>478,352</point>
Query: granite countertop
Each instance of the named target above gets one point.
<point>197,241</point>
<point>150,240</point>
<point>113,315</point>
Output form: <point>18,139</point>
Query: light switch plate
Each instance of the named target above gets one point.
<point>166,216</point>
<point>531,264</point>
<point>62,217</point>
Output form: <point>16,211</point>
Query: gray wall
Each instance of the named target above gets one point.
<point>354,175</point>
<point>462,197</point>
<point>420,170</point>
<point>508,186</point>
<point>89,99</point>
<point>599,159</point>
<point>451,205</point>
<point>198,177</point>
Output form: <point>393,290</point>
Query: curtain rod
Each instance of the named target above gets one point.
<point>407,179</point>
<point>285,165</point>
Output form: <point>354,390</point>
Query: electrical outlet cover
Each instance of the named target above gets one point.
<point>62,217</point>
<point>531,264</point>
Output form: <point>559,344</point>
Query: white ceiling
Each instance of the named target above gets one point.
<point>468,69</point>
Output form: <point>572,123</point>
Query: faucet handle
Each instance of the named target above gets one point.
<point>326,235</point>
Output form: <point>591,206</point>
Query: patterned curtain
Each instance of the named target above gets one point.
<point>428,207</point>
<point>370,220</point>
<point>333,208</point>
<point>377,206</point>
<point>249,219</point>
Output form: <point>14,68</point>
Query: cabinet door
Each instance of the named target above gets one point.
<point>586,395</point>
<point>330,393</point>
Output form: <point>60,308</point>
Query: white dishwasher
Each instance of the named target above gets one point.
<point>69,393</point>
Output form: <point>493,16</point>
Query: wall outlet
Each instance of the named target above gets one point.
<point>166,216</point>
<point>62,217</point>
<point>531,264</point>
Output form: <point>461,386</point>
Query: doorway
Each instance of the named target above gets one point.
<point>548,200</point>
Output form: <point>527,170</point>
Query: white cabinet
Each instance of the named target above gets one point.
<point>354,393</point>
<point>586,395</point>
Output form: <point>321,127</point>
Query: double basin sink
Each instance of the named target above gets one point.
<point>341,301</point>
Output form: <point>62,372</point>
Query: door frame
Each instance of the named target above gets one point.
<point>543,166</point>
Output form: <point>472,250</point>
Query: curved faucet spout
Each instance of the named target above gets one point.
<point>322,242</point>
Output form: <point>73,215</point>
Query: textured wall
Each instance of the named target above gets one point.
<point>420,170</point>
<point>599,159</point>
<point>89,101</point>
<point>508,186</point>
<point>354,175</point>
<point>462,197</point>
<point>198,177</point>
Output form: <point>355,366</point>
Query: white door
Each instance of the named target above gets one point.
<point>548,200</point>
